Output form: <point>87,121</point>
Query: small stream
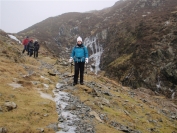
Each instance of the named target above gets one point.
<point>66,119</point>
<point>72,114</point>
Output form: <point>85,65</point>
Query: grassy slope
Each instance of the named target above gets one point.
<point>127,110</point>
<point>31,108</point>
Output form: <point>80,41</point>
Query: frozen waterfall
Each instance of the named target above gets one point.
<point>95,52</point>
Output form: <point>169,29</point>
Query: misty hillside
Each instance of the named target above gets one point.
<point>134,42</point>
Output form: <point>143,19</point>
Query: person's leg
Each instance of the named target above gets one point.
<point>24,49</point>
<point>76,72</point>
<point>30,53</point>
<point>32,50</point>
<point>82,72</point>
<point>36,53</point>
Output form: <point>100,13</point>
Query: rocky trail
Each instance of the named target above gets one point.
<point>102,102</point>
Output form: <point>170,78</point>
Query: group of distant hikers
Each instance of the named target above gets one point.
<point>31,47</point>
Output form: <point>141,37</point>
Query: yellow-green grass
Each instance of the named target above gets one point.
<point>124,109</point>
<point>120,60</point>
<point>32,109</point>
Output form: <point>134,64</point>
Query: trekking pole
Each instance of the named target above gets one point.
<point>71,68</point>
<point>86,72</point>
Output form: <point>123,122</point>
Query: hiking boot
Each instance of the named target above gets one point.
<point>74,84</point>
<point>82,83</point>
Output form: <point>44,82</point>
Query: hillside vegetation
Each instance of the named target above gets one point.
<point>116,108</point>
<point>144,29</point>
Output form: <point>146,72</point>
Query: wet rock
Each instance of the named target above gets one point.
<point>114,124</point>
<point>35,82</point>
<point>124,129</point>
<point>65,129</point>
<point>107,93</point>
<point>165,111</point>
<point>93,113</point>
<point>45,115</point>
<point>3,130</point>
<point>174,117</point>
<point>10,105</point>
<point>53,126</point>
<point>58,85</point>
<point>52,74</point>
<point>103,117</point>
<point>40,129</point>
<point>61,118</point>
<point>70,107</point>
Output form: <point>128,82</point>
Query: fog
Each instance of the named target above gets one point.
<point>17,15</point>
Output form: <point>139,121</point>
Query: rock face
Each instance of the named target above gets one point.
<point>133,41</point>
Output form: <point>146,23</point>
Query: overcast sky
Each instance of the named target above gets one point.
<point>17,15</point>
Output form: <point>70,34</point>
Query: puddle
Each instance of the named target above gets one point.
<point>46,96</point>
<point>46,86</point>
<point>45,78</point>
<point>15,85</point>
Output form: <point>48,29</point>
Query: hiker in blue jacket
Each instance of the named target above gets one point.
<point>80,56</point>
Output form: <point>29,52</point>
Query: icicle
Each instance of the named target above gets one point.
<point>173,95</point>
<point>96,51</point>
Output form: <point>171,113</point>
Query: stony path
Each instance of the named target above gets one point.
<point>73,115</point>
<point>76,117</point>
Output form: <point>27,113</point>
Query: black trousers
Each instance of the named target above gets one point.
<point>24,49</point>
<point>35,53</point>
<point>79,68</point>
<point>30,52</point>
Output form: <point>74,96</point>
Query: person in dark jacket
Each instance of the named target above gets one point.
<point>80,56</point>
<point>30,47</point>
<point>25,43</point>
<point>36,49</point>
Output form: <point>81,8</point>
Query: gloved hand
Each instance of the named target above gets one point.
<point>86,60</point>
<point>71,59</point>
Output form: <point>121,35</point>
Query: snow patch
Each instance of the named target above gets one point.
<point>46,96</point>
<point>14,38</point>
<point>15,85</point>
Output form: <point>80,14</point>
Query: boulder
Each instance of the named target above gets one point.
<point>10,105</point>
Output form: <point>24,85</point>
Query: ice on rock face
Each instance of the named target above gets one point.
<point>95,52</point>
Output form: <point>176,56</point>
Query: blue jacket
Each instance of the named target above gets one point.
<point>79,53</point>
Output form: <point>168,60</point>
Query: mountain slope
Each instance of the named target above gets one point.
<point>101,105</point>
<point>136,41</point>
